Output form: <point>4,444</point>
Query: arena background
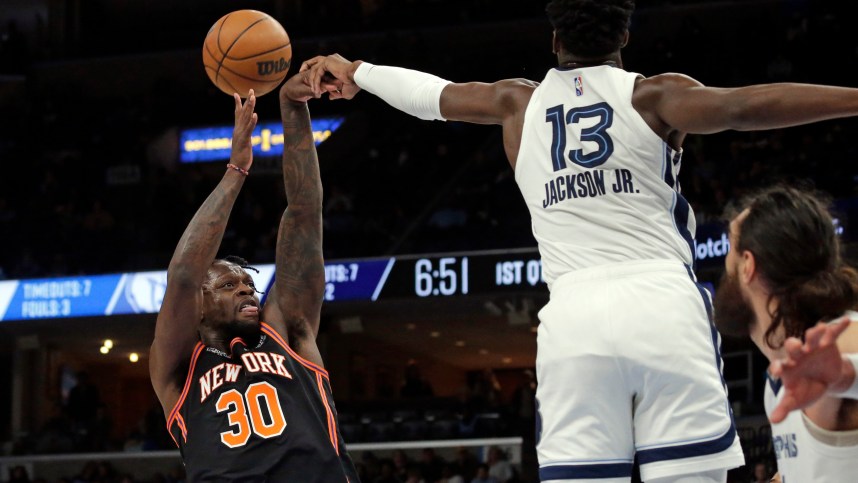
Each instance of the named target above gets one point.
<point>96,96</point>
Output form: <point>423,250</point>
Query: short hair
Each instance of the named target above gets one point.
<point>590,28</point>
<point>793,238</point>
<point>236,260</point>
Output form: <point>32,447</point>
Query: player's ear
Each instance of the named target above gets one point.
<point>555,44</point>
<point>625,39</point>
<point>748,266</point>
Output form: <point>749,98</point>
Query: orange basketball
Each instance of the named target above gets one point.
<point>247,49</point>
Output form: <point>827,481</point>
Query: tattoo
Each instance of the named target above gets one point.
<point>300,267</point>
<point>199,243</point>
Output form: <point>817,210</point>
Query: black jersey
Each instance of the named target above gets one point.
<point>263,415</point>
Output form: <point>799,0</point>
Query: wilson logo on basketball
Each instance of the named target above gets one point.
<point>272,66</point>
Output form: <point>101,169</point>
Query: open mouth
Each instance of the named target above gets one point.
<point>249,307</point>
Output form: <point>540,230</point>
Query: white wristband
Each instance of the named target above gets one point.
<point>411,91</point>
<point>852,392</point>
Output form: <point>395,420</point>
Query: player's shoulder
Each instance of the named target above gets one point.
<point>516,91</point>
<point>667,81</point>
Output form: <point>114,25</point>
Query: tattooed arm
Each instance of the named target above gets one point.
<point>295,303</point>
<point>176,328</point>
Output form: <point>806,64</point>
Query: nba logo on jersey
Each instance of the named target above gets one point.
<point>579,86</point>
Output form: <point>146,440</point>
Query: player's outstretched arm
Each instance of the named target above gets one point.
<point>688,106</point>
<point>812,369</point>
<point>296,301</point>
<point>176,325</point>
<point>420,94</point>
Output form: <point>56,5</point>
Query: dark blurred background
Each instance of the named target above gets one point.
<point>93,94</point>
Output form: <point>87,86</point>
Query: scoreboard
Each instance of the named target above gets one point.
<point>427,276</point>
<point>374,280</point>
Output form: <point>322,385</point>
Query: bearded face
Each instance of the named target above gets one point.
<point>733,313</point>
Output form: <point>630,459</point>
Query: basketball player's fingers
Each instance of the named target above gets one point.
<point>310,63</point>
<point>250,102</point>
<point>787,404</point>
<point>813,337</point>
<point>237,99</point>
<point>794,348</point>
<point>833,330</point>
<point>316,74</point>
<point>776,369</point>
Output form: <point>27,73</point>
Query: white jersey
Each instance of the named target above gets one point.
<point>801,457</point>
<point>600,185</point>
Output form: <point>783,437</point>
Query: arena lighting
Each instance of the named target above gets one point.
<point>108,343</point>
<point>460,343</point>
<point>434,334</point>
<point>104,350</point>
<point>133,357</point>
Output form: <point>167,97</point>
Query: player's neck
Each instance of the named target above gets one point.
<point>570,61</point>
<point>222,340</point>
<point>763,307</point>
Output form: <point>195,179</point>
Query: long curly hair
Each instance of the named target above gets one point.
<point>793,238</point>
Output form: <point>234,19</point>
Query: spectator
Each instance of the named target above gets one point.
<point>431,465</point>
<point>450,474</point>
<point>761,473</point>
<point>499,467</point>
<point>400,464</point>
<point>483,475</point>
<point>387,475</point>
<point>18,474</point>
<point>466,463</point>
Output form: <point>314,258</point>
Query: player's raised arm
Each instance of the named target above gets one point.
<point>296,300</point>
<point>176,328</point>
<point>686,105</point>
<point>420,94</point>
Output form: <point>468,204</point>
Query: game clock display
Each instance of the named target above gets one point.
<point>444,275</point>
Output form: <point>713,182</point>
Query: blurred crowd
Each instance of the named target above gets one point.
<point>90,189</point>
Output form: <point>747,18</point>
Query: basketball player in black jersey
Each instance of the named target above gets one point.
<point>243,385</point>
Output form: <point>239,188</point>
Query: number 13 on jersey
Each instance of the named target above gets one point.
<point>597,133</point>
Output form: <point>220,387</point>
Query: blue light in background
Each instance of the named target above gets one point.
<point>214,143</point>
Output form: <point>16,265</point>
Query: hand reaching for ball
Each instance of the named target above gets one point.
<point>333,74</point>
<point>300,89</point>
<point>245,123</point>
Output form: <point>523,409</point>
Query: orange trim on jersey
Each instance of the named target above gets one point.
<point>304,362</point>
<point>332,427</point>
<point>181,422</point>
<point>198,349</point>
<point>234,341</point>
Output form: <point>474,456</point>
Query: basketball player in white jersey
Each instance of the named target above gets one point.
<point>628,361</point>
<point>783,274</point>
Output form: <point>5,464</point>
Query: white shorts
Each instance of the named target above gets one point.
<point>629,363</point>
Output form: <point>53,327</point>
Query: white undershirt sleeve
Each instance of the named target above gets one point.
<point>852,392</point>
<point>411,91</point>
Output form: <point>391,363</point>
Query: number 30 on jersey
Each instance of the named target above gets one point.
<point>247,417</point>
<point>597,133</point>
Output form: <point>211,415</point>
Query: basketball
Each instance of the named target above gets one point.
<point>247,49</point>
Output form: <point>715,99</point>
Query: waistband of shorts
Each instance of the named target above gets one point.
<point>621,269</point>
